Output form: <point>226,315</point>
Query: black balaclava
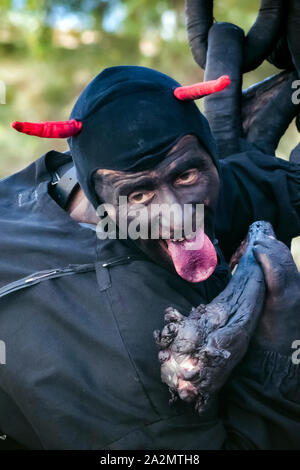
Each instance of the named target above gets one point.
<point>130,121</point>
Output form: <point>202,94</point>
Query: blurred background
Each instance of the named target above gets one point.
<point>50,50</point>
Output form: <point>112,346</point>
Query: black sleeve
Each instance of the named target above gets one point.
<point>6,443</point>
<point>259,408</point>
<point>255,186</point>
<point>260,405</point>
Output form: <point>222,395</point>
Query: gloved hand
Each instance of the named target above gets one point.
<point>279,324</point>
<point>199,352</point>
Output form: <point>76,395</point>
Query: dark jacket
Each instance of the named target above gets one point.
<point>77,316</point>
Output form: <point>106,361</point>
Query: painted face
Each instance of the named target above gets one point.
<point>186,177</point>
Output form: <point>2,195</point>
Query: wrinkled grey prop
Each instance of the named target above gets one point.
<point>197,353</point>
<point>259,41</point>
<point>224,49</point>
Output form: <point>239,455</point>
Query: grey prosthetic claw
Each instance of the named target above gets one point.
<point>198,352</point>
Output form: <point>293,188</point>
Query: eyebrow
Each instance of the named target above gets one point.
<point>132,185</point>
<point>179,165</point>
<point>184,164</point>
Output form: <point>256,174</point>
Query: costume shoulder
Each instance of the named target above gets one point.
<point>35,233</point>
<point>13,186</point>
<point>256,186</point>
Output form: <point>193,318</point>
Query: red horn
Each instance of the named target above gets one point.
<point>49,129</point>
<point>194,92</point>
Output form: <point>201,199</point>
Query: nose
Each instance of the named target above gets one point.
<point>173,215</point>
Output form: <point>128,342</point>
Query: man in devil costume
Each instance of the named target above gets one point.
<point>78,313</point>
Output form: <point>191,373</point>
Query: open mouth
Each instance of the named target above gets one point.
<point>194,259</point>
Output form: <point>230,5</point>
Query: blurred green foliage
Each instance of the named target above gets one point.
<point>50,49</point>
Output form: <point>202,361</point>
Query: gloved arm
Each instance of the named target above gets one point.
<point>256,186</point>
<point>262,400</point>
<point>260,404</point>
<point>279,325</point>
<point>247,125</point>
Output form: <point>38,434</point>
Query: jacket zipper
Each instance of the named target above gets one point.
<point>40,276</point>
<point>122,260</point>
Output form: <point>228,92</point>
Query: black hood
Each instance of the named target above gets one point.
<point>131,120</point>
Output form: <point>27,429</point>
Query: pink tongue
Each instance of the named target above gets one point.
<point>194,260</point>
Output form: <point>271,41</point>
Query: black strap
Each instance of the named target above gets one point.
<point>64,181</point>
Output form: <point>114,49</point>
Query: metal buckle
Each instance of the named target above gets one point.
<point>53,183</point>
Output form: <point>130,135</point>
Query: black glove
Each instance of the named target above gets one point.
<point>199,352</point>
<point>279,325</point>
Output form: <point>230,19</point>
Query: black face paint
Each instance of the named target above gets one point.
<point>187,176</point>
<point>130,121</point>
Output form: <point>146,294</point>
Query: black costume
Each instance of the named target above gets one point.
<point>77,315</point>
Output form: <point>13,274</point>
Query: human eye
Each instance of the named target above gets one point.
<point>140,197</point>
<point>188,177</point>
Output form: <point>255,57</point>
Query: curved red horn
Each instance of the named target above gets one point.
<point>49,129</point>
<point>198,90</point>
